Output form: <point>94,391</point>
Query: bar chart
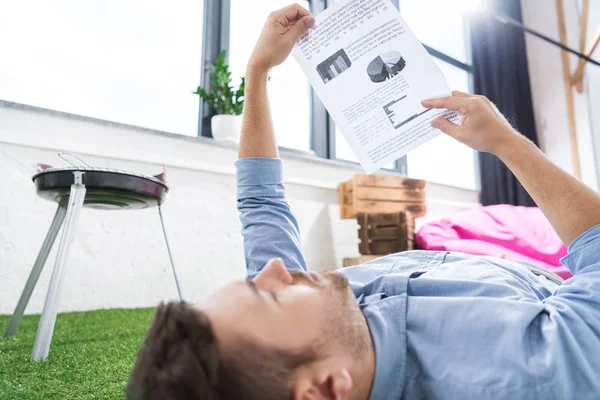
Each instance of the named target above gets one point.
<point>333,66</point>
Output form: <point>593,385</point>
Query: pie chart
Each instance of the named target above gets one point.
<point>385,66</point>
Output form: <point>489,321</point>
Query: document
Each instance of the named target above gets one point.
<point>371,73</point>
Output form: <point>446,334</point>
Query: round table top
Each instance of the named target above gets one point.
<point>107,189</point>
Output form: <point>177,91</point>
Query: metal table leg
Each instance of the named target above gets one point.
<point>34,275</point>
<point>169,250</point>
<point>48,319</point>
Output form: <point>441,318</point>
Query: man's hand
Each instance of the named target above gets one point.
<point>484,128</point>
<point>281,32</point>
<point>570,206</point>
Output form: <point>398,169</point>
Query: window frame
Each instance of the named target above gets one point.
<point>216,33</point>
<point>215,38</point>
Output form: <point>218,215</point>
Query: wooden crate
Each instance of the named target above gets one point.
<point>381,194</point>
<point>352,261</point>
<point>381,234</point>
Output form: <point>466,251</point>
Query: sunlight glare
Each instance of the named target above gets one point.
<point>471,6</point>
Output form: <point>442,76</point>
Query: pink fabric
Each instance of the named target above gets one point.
<point>515,233</point>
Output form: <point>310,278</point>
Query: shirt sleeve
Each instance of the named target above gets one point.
<point>574,313</point>
<point>583,251</point>
<point>269,228</point>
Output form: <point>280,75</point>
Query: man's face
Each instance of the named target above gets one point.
<point>286,310</point>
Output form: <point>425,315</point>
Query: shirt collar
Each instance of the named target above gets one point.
<point>387,323</point>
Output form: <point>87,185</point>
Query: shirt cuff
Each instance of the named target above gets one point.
<point>259,177</point>
<point>583,251</point>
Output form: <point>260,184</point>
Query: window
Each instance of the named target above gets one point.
<point>443,159</point>
<point>138,62</point>
<point>289,90</point>
<point>342,148</point>
<point>438,24</point>
<point>131,61</point>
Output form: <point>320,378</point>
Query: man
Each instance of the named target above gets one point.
<point>412,325</point>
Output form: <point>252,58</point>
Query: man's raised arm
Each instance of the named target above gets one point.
<point>571,207</point>
<point>281,32</point>
<point>269,228</point>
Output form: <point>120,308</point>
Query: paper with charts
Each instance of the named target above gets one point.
<point>371,73</point>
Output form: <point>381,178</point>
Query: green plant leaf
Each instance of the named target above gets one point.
<point>223,97</point>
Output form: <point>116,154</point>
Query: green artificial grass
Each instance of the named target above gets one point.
<point>91,355</point>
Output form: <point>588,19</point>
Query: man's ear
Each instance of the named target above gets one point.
<point>323,385</point>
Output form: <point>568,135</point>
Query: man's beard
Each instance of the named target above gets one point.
<point>333,280</point>
<point>345,325</point>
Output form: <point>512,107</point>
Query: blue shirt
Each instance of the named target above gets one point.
<point>448,325</point>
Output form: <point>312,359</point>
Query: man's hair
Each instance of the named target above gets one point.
<point>180,359</point>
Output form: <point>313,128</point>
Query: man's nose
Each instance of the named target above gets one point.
<point>274,275</point>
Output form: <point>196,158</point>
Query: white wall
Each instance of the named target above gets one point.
<point>119,258</point>
<point>548,92</point>
<point>592,83</point>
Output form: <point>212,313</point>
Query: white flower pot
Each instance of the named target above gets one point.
<point>226,128</point>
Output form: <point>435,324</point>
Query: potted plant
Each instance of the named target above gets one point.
<point>226,101</point>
